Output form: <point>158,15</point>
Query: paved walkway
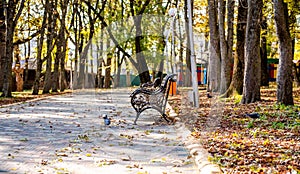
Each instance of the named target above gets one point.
<point>66,134</point>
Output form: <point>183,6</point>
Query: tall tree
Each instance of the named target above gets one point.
<point>225,44</point>
<point>2,43</point>
<point>137,14</point>
<point>12,16</point>
<point>263,53</point>
<point>39,61</point>
<point>188,72</point>
<point>294,11</point>
<point>252,75</point>
<point>284,76</point>
<point>52,22</point>
<point>214,68</point>
<point>63,40</point>
<point>236,85</point>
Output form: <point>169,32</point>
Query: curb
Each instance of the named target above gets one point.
<point>196,150</point>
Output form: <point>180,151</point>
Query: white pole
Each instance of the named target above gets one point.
<point>71,77</point>
<point>193,61</point>
<point>71,73</point>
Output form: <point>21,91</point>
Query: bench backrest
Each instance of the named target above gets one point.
<point>167,79</point>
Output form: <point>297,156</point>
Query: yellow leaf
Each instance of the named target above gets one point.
<point>235,134</point>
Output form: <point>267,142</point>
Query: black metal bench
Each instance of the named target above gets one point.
<point>152,96</point>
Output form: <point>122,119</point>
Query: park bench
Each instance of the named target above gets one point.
<point>152,95</point>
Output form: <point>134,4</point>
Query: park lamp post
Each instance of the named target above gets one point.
<point>193,61</point>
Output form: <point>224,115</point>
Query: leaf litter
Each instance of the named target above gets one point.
<point>240,144</point>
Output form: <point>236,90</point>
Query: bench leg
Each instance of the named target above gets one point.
<point>165,117</point>
<point>137,117</point>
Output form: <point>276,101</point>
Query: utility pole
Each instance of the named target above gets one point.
<point>193,60</point>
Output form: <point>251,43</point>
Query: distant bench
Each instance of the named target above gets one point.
<point>152,96</point>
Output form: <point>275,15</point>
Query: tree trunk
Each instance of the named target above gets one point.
<point>230,19</point>
<point>82,60</point>
<point>296,75</point>
<point>50,37</point>
<point>11,24</point>
<point>55,79</point>
<point>214,69</point>
<point>188,70</point>
<point>252,75</point>
<point>107,79</point>
<point>293,20</point>
<point>263,53</point>
<point>39,61</point>
<point>100,60</point>
<point>62,37</point>
<point>27,56</point>
<point>225,65</point>
<point>284,76</point>
<point>142,65</point>
<point>2,44</point>
<point>236,85</point>
<point>118,63</point>
<point>143,68</point>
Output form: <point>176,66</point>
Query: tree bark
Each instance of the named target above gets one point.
<point>214,69</point>
<point>12,16</point>
<point>2,44</point>
<point>7,73</point>
<point>107,79</point>
<point>236,85</point>
<point>263,53</point>
<point>63,40</point>
<point>140,57</point>
<point>188,70</point>
<point>252,75</point>
<point>225,65</point>
<point>50,37</point>
<point>39,61</point>
<point>284,76</point>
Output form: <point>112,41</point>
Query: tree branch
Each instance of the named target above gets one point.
<point>111,34</point>
<point>21,41</point>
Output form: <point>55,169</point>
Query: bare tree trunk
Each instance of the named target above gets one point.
<point>118,63</point>
<point>76,43</point>
<point>140,57</point>
<point>82,59</point>
<point>50,37</point>
<point>2,44</point>
<point>12,16</point>
<point>62,38</point>
<point>55,77</point>
<point>188,70</point>
<point>100,61</point>
<point>284,76</point>
<point>7,73</point>
<point>27,56</point>
<point>236,85</point>
<point>214,70</point>
<point>264,55</point>
<point>252,75</point>
<point>296,75</point>
<point>39,61</point>
<point>107,78</point>
<point>225,65</point>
